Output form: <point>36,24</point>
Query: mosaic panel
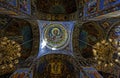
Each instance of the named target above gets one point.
<point>55,37</point>
<point>25,6</point>
<point>90,33</point>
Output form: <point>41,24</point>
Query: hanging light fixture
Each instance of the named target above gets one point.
<point>107,54</point>
<point>103,52</point>
<point>9,54</point>
<point>116,55</point>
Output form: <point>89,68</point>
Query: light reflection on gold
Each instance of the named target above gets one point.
<point>56,67</point>
<point>103,52</point>
<point>9,54</point>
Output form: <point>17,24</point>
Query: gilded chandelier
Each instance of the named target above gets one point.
<point>103,52</point>
<point>9,54</point>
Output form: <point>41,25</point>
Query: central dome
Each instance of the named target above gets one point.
<point>56,36</point>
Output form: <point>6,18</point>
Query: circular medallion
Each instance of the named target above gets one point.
<point>56,36</point>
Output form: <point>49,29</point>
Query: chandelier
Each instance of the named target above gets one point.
<point>9,54</point>
<point>103,52</point>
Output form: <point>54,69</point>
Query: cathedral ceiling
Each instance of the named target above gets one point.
<point>84,37</point>
<point>56,6</point>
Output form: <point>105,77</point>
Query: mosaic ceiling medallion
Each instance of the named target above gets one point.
<point>55,36</point>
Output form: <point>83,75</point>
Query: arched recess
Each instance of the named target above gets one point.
<point>36,37</point>
<point>55,66</point>
<point>23,32</point>
<point>113,31</point>
<point>114,34</point>
<point>84,37</point>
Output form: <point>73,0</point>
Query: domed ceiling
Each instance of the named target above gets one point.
<point>55,66</point>
<point>14,32</point>
<point>55,37</point>
<point>56,6</point>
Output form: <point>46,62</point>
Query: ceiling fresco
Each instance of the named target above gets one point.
<point>56,6</point>
<point>52,46</point>
<point>110,34</point>
<point>49,66</point>
<point>55,37</point>
<point>4,21</point>
<point>55,66</point>
<point>107,23</point>
<point>114,34</point>
<point>114,31</point>
<point>84,37</point>
<point>75,44</point>
<point>22,33</point>
<point>17,31</point>
<point>90,33</point>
